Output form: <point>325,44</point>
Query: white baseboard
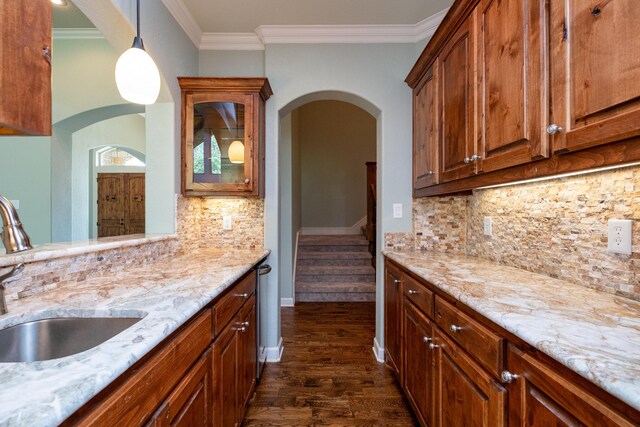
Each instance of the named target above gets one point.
<point>274,354</point>
<point>317,231</point>
<point>287,302</point>
<point>378,351</point>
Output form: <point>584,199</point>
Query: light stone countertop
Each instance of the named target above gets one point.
<point>595,334</point>
<point>166,293</point>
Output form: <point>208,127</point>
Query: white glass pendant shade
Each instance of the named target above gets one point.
<point>137,77</point>
<point>236,152</point>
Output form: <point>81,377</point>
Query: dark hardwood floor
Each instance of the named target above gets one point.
<point>328,375</point>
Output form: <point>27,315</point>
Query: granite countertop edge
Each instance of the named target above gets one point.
<point>165,295</point>
<point>593,333</point>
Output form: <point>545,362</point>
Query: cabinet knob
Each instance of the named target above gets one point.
<point>412,292</point>
<point>467,160</point>
<point>244,324</point>
<point>244,295</point>
<point>507,377</point>
<point>475,157</point>
<point>242,329</point>
<point>397,282</point>
<point>46,52</point>
<point>553,129</point>
<point>427,339</point>
<point>246,181</point>
<point>430,173</point>
<point>433,346</point>
<point>455,328</point>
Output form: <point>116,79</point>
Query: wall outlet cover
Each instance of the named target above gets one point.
<point>227,222</point>
<point>619,236</point>
<point>488,226</point>
<point>397,210</point>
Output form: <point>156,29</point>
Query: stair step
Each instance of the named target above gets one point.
<point>337,287</point>
<point>336,297</point>
<point>333,248</point>
<point>348,240</point>
<point>334,261</point>
<point>334,255</point>
<point>335,270</point>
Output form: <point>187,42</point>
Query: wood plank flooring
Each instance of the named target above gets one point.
<point>328,375</point>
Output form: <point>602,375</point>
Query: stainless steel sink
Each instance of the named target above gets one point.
<point>59,337</point>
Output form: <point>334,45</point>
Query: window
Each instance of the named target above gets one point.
<point>199,153</point>
<point>112,156</point>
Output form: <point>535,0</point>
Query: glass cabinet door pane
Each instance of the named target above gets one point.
<point>218,142</point>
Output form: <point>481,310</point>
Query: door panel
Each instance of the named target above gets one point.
<point>457,105</point>
<point>392,324</point>
<point>426,120</point>
<point>111,205</point>
<point>225,378</point>
<point>596,72</point>
<point>512,98</point>
<point>135,220</point>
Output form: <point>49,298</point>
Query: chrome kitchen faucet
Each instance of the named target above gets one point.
<point>14,238</point>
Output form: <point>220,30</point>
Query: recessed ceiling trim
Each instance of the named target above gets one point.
<point>185,19</point>
<point>76,33</point>
<point>231,41</point>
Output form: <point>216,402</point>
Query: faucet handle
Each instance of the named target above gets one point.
<point>14,271</point>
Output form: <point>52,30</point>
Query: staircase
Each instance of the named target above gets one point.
<point>334,268</point>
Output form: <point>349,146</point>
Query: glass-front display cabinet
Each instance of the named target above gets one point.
<point>223,122</point>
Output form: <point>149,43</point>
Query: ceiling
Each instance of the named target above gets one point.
<point>70,16</point>
<point>242,16</point>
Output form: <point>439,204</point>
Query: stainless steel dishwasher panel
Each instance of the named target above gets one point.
<point>261,315</point>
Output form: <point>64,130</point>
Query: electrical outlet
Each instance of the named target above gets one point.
<point>227,222</point>
<point>488,226</point>
<point>397,210</point>
<point>619,236</point>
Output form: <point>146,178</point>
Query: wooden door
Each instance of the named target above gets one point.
<point>595,72</point>
<point>111,205</point>
<point>189,404</point>
<point>465,394</point>
<point>426,120</point>
<point>418,363</point>
<point>392,320</point>
<point>457,95</point>
<point>135,218</point>
<point>225,377</point>
<point>541,397</point>
<point>248,355</point>
<point>25,75</point>
<point>121,204</point>
<point>512,96</point>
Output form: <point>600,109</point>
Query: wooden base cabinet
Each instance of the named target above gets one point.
<point>539,396</point>
<point>393,319</point>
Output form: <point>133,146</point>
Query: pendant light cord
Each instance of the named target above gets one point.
<point>138,18</point>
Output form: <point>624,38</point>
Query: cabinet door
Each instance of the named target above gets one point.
<point>512,96</point>
<point>465,394</point>
<point>426,120</point>
<point>247,355</point>
<point>188,405</point>
<point>595,72</point>
<point>541,397</point>
<point>25,75</point>
<point>458,106</point>
<point>225,377</point>
<point>418,363</point>
<point>392,320</point>
<point>220,147</point>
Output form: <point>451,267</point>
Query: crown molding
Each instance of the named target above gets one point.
<point>185,19</point>
<point>76,33</point>
<point>427,27</point>
<point>231,41</point>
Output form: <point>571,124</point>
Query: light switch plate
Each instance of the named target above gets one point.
<point>488,226</point>
<point>227,222</point>
<point>620,236</point>
<point>397,210</point>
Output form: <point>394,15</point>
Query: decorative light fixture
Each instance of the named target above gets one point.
<point>59,2</point>
<point>236,149</point>
<point>137,76</point>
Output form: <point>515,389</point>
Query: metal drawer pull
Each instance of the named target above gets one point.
<point>412,292</point>
<point>244,295</point>
<point>507,377</point>
<point>553,129</point>
<point>454,328</point>
<point>467,160</point>
<point>427,339</point>
<point>244,324</point>
<point>433,346</point>
<point>475,157</point>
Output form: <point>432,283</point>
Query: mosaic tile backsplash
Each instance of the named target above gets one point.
<point>556,227</point>
<point>200,222</point>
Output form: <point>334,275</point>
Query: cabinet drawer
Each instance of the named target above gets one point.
<point>224,309</point>
<point>478,341</point>
<point>418,294</point>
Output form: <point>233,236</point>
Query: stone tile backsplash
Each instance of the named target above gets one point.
<point>556,227</point>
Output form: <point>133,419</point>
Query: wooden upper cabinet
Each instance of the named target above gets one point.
<point>218,115</point>
<point>457,100</point>
<point>25,74</point>
<point>595,72</point>
<point>512,95</point>
<point>426,125</point>
<point>540,396</point>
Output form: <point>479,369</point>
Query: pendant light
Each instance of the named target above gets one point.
<point>137,76</point>
<point>236,149</point>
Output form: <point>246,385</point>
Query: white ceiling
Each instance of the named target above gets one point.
<point>243,16</point>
